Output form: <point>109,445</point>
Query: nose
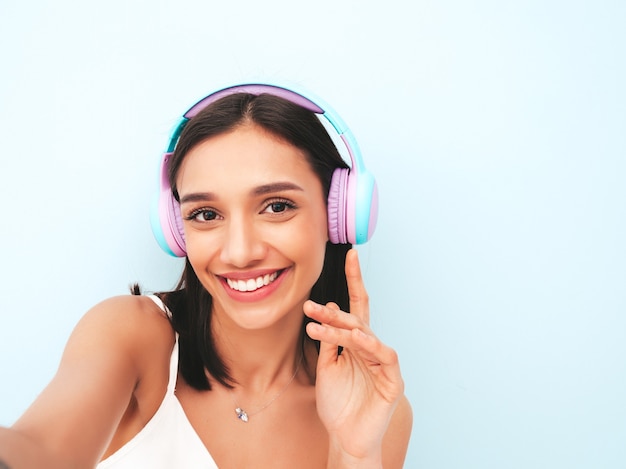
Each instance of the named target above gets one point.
<point>242,245</point>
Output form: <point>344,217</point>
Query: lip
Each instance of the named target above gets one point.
<point>258,294</point>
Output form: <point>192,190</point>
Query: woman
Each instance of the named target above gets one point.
<point>226,370</point>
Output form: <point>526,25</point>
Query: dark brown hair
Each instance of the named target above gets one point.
<point>190,303</point>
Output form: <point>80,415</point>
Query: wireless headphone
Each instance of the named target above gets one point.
<point>353,195</point>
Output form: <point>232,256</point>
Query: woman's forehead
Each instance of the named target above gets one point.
<point>247,157</point>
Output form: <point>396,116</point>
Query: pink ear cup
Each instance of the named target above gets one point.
<point>172,232</point>
<point>175,220</point>
<point>337,232</point>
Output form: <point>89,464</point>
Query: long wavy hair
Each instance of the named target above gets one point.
<point>190,303</point>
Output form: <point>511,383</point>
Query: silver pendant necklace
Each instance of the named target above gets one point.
<point>245,416</point>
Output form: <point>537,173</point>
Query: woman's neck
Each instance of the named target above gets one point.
<point>259,360</point>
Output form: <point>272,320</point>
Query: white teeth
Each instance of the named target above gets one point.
<point>252,283</point>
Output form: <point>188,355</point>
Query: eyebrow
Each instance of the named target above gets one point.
<point>198,197</point>
<point>276,187</point>
<point>257,191</point>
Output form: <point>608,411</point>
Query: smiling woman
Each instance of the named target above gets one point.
<point>253,360</point>
<point>245,231</point>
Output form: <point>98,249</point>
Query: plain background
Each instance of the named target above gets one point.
<point>496,131</point>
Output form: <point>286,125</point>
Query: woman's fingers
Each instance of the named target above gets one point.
<point>359,299</point>
<point>323,314</point>
<point>367,345</point>
<point>331,315</point>
<point>339,329</point>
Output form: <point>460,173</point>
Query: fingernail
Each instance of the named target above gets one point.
<point>315,327</point>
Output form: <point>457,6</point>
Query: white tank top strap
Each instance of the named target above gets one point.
<point>160,304</point>
<point>171,385</point>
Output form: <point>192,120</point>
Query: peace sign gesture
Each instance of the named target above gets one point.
<point>358,389</point>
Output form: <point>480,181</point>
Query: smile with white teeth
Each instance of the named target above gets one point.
<point>252,283</point>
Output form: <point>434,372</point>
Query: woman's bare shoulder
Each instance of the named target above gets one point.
<point>130,307</point>
<point>131,319</point>
<point>119,343</point>
<point>131,327</point>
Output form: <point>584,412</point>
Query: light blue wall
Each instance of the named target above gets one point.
<point>497,133</point>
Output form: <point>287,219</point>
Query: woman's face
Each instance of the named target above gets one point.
<point>255,224</point>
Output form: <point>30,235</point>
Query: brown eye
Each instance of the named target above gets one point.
<point>207,215</point>
<point>202,215</point>
<point>278,207</point>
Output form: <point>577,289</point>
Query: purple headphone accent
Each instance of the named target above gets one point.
<point>169,216</point>
<point>352,198</point>
<point>337,232</point>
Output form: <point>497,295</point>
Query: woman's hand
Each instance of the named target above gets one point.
<point>357,390</point>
